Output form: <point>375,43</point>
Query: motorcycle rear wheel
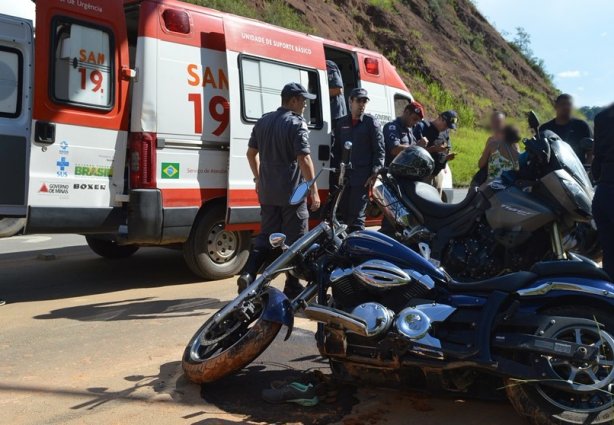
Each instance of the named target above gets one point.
<point>216,351</point>
<point>544,406</point>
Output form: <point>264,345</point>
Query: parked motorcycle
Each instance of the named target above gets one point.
<point>500,227</point>
<point>387,315</point>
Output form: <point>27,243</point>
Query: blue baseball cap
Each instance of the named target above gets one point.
<point>451,118</point>
<point>295,89</point>
<point>359,93</point>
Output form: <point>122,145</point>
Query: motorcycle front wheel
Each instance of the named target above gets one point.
<point>217,350</point>
<point>593,402</point>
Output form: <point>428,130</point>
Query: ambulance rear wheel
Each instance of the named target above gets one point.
<point>108,248</point>
<point>211,251</point>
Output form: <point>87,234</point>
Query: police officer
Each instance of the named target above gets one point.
<point>437,132</point>
<point>365,133</point>
<point>603,173</point>
<point>279,157</point>
<point>398,134</point>
<point>338,106</point>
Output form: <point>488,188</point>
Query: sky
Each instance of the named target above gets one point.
<point>574,38</point>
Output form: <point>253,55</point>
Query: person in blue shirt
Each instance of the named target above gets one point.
<point>365,133</point>
<point>398,134</point>
<point>437,132</point>
<point>338,106</point>
<point>279,157</point>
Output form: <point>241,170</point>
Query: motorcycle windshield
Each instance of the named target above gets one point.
<point>570,163</point>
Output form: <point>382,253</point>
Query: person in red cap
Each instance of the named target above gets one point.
<point>398,134</point>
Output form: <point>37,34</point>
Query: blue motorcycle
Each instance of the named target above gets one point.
<point>388,315</point>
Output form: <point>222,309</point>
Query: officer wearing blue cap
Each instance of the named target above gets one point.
<point>365,133</point>
<point>279,157</point>
<point>437,132</point>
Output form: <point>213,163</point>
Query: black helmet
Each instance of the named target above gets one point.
<point>538,147</point>
<point>413,163</point>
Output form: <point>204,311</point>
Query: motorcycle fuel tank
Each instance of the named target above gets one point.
<point>513,209</point>
<point>368,245</point>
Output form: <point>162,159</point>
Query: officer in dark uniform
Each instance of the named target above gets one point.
<point>437,132</point>
<point>338,106</point>
<point>365,133</point>
<point>603,172</point>
<point>399,135</point>
<point>279,157</point>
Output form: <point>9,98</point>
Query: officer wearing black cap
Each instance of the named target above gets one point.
<point>365,133</point>
<point>603,172</point>
<point>437,132</point>
<point>279,157</point>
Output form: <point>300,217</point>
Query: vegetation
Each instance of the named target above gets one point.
<point>276,12</point>
<point>383,4</point>
<point>468,144</point>
<point>590,111</point>
<point>522,44</point>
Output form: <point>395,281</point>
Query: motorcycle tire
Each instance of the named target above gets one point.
<point>232,358</point>
<point>529,401</point>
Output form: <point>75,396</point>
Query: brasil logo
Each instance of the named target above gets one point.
<point>170,170</point>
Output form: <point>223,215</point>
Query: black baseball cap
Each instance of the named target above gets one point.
<point>359,93</point>
<point>295,89</point>
<point>451,118</point>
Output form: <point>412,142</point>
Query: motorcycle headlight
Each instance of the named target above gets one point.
<point>579,197</point>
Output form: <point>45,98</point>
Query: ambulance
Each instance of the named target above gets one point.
<point>128,122</point>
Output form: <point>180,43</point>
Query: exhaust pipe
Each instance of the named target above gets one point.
<point>341,319</point>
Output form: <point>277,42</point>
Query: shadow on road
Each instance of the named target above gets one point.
<point>77,272</point>
<point>135,309</point>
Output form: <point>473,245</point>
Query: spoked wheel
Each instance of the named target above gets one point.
<point>219,349</point>
<point>590,399</point>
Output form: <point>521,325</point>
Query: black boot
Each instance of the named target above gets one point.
<point>256,259</point>
<point>292,287</point>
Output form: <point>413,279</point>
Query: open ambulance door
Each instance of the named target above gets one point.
<point>16,59</point>
<point>80,121</point>
<point>261,59</point>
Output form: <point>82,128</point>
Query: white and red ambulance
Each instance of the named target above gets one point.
<point>128,121</point>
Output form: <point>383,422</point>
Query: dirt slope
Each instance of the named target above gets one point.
<point>447,52</point>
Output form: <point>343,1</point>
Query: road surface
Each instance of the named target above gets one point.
<point>91,341</point>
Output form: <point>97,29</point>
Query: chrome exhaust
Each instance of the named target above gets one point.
<point>333,317</point>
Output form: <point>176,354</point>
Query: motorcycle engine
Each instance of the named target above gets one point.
<point>353,287</point>
<point>475,257</point>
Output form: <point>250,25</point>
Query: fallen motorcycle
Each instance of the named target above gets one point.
<point>388,315</point>
<point>544,213</point>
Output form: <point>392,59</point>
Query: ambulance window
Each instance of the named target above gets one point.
<point>11,70</point>
<point>400,102</point>
<point>262,81</point>
<point>82,68</point>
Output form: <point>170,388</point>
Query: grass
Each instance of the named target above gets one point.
<point>468,144</point>
<point>387,5</point>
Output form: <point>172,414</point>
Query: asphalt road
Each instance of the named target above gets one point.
<point>90,341</point>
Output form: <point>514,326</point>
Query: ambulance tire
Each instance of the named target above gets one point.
<point>108,248</point>
<point>211,252</point>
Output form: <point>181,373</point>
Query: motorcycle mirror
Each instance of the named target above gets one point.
<point>277,240</point>
<point>533,121</point>
<point>301,192</point>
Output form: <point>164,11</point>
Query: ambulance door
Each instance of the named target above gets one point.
<point>79,138</point>
<point>261,59</point>
<point>15,115</point>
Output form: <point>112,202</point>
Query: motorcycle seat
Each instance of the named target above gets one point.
<point>507,283</point>
<point>569,268</point>
<point>427,200</point>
